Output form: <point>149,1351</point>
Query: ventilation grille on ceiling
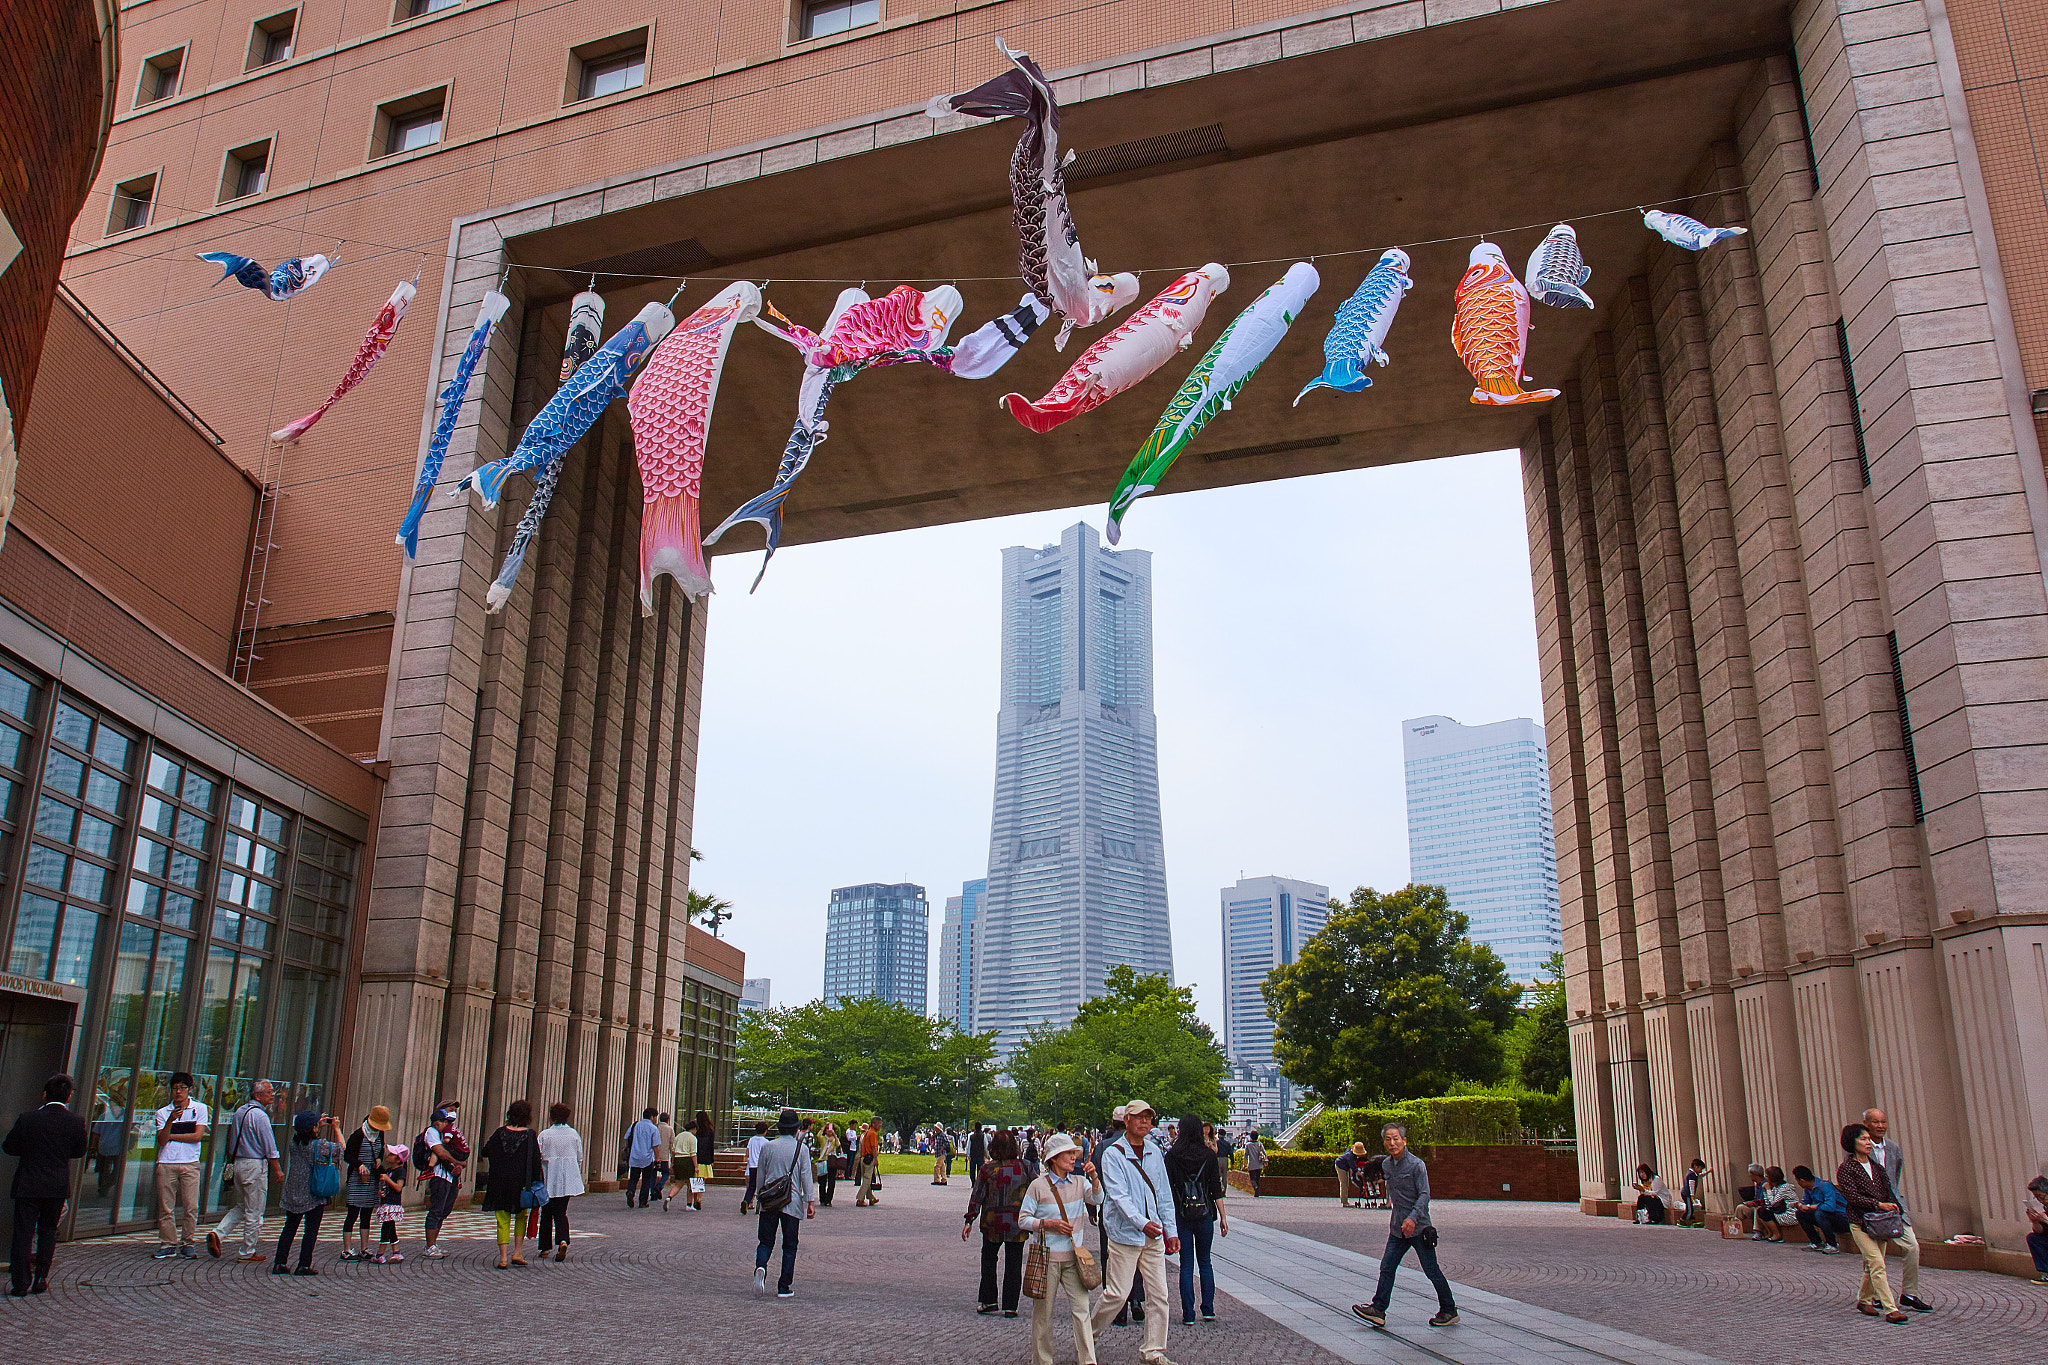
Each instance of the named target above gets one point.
<point>1148,151</point>
<point>1242,452</point>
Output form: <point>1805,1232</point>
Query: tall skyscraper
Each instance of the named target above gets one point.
<point>1265,922</point>
<point>757,993</point>
<point>876,943</point>
<point>953,992</point>
<point>1479,826</point>
<point>1076,869</point>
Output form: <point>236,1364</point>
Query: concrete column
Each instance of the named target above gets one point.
<point>1593,1105</point>
<point>1723,1111</point>
<point>409,916</point>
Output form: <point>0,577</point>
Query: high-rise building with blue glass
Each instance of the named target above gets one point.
<point>1076,867</point>
<point>1265,922</point>
<point>877,943</point>
<point>953,986</point>
<point>1479,826</point>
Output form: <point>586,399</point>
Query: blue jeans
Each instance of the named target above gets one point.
<point>2037,1242</point>
<point>1425,1256</point>
<point>1196,1237</point>
<point>789,1223</point>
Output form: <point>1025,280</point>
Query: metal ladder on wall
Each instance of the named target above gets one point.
<point>262,544</point>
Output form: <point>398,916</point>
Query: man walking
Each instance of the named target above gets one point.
<point>1254,1161</point>
<point>47,1141</point>
<point>1407,1180</point>
<point>870,1164</point>
<point>181,1126</point>
<point>1137,1212</point>
<point>754,1146</point>
<point>253,1162</point>
<point>444,1176</point>
<point>641,1140</point>
<point>1887,1151</point>
<point>664,1156</point>
<point>785,1185</point>
<point>1134,1308</point>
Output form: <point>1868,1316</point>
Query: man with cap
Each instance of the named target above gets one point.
<point>1137,1214</point>
<point>785,1166</point>
<point>1135,1306</point>
<point>444,1177</point>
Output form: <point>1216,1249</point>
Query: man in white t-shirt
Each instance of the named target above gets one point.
<point>181,1126</point>
<point>444,1176</point>
<point>754,1146</point>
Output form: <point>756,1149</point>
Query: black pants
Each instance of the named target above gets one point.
<point>1653,1205</point>
<point>1013,1272</point>
<point>1425,1255</point>
<point>747,1199</point>
<point>1255,1180</point>
<point>1820,1224</point>
<point>827,1183</point>
<point>292,1222</point>
<point>35,1224</point>
<point>642,1179</point>
<point>357,1214</point>
<point>554,1223</point>
<point>788,1223</point>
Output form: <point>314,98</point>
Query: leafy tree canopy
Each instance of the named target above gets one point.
<point>1140,1038</point>
<point>1539,1049</point>
<point>1390,999</point>
<point>866,1053</point>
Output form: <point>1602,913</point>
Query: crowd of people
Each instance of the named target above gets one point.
<point>1145,1193</point>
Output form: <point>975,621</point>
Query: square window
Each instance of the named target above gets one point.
<point>270,40</point>
<point>160,77</point>
<point>133,199</point>
<point>822,18</point>
<point>607,66</point>
<point>409,124</point>
<point>245,171</point>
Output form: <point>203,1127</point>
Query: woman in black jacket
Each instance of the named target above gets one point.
<point>1862,1180</point>
<point>514,1157</point>
<point>1197,1176</point>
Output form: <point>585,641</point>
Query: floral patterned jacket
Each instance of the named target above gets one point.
<point>998,1198</point>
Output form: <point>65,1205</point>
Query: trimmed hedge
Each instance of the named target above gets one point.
<point>1457,1120</point>
<point>1300,1164</point>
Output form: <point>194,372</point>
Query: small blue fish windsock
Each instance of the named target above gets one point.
<point>1363,322</point>
<point>294,276</point>
<point>452,397</point>
<point>1557,270</point>
<point>1689,233</point>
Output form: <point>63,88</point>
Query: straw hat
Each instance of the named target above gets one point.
<point>380,1118</point>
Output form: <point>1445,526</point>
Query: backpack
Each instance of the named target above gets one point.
<point>1191,1199</point>
<point>422,1153</point>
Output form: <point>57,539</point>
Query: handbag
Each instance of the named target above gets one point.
<point>534,1196</point>
<point>1886,1225</point>
<point>1037,1264</point>
<point>696,1184</point>
<point>324,1181</point>
<point>1084,1259</point>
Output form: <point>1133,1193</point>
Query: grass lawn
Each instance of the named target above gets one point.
<point>910,1163</point>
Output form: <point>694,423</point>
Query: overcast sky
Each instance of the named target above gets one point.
<point>850,704</point>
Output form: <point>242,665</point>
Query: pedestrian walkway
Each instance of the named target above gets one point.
<point>463,1225</point>
<point>1309,1286</point>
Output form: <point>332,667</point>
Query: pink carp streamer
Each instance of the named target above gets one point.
<point>374,342</point>
<point>671,407</point>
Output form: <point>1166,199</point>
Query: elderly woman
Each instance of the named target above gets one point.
<point>1868,1190</point>
<point>1054,1207</point>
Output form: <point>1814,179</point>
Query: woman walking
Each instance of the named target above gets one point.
<point>1054,1207</point>
<point>315,1156</point>
<point>1191,1165</point>
<point>1868,1191</point>
<point>515,1164</point>
<point>561,1157</point>
<point>364,1158</point>
<point>999,1198</point>
<point>707,1147</point>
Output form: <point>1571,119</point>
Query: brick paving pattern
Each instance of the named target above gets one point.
<point>1743,1302</point>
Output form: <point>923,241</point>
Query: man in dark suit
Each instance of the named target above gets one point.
<point>47,1141</point>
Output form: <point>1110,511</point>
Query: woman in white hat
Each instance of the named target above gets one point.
<point>1054,1212</point>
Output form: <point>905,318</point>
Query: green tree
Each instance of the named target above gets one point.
<point>1545,1060</point>
<point>1139,1039</point>
<point>1390,999</point>
<point>862,1054</point>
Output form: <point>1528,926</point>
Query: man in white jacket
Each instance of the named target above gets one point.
<point>1137,1212</point>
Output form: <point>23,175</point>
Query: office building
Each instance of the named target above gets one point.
<point>1265,922</point>
<point>754,993</point>
<point>1076,867</point>
<point>953,995</point>
<point>1785,518</point>
<point>1479,826</point>
<point>876,943</point>
<point>1259,1097</point>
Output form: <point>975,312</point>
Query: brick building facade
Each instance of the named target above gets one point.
<point>1796,877</point>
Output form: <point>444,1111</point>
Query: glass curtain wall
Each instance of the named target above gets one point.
<point>709,1036</point>
<point>206,924</point>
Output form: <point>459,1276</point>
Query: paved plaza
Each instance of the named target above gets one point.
<point>1537,1283</point>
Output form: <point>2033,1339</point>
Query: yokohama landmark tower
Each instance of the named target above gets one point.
<point>1076,870</point>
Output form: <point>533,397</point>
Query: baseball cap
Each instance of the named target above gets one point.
<point>1138,1107</point>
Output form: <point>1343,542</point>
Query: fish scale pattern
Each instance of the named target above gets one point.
<point>368,352</point>
<point>1490,330</point>
<point>1140,344</point>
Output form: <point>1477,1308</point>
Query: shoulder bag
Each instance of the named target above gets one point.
<point>324,1180</point>
<point>773,1196</point>
<point>534,1195</point>
<point>1886,1225</point>
<point>1084,1259</point>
